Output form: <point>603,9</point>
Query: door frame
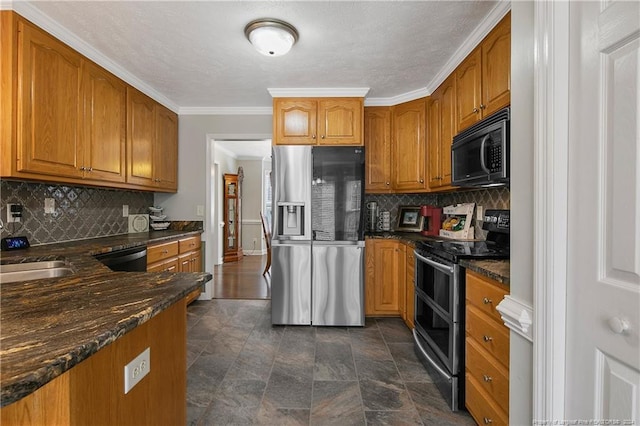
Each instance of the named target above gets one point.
<point>212,232</point>
<point>551,147</point>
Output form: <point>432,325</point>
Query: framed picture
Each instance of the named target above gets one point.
<point>409,219</point>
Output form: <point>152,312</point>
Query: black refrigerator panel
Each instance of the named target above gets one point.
<point>337,192</point>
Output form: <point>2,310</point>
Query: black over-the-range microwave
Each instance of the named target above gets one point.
<point>480,154</point>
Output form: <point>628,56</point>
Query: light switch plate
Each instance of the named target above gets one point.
<point>125,210</point>
<point>49,205</point>
<point>200,210</point>
<point>137,369</point>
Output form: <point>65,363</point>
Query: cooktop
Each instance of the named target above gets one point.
<point>495,247</point>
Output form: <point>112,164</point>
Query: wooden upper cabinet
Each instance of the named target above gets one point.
<point>49,135</point>
<point>166,171</point>
<point>294,121</point>
<point>140,137</point>
<point>469,89</point>
<point>152,143</point>
<point>441,127</point>
<point>408,146</point>
<point>496,68</point>
<point>317,121</point>
<point>434,105</point>
<point>340,121</point>
<point>65,119</point>
<point>483,79</point>
<point>105,122</point>
<point>377,141</point>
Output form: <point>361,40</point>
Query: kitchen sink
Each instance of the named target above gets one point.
<point>33,271</point>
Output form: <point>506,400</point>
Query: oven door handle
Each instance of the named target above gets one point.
<point>438,266</point>
<point>431,361</point>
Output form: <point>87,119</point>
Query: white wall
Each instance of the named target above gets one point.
<point>522,62</point>
<point>251,206</point>
<point>196,163</point>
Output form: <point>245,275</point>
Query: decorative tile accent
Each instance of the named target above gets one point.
<point>491,198</point>
<point>81,212</point>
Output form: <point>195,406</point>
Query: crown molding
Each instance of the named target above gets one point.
<point>320,92</point>
<point>474,39</point>
<point>395,100</point>
<point>35,15</point>
<point>225,111</point>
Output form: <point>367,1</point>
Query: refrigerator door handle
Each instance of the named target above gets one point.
<point>359,244</point>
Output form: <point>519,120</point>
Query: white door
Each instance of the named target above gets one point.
<point>603,288</point>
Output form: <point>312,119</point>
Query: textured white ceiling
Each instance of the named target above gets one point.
<point>253,149</point>
<point>196,55</point>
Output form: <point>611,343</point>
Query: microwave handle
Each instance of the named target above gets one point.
<point>483,154</point>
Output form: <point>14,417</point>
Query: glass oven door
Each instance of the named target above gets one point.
<point>439,281</point>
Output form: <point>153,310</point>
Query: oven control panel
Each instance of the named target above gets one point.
<point>497,220</point>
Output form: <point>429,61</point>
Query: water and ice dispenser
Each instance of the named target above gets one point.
<point>291,219</point>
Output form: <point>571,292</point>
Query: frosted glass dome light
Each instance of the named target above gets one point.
<point>271,37</point>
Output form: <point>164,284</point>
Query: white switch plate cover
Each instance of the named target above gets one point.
<point>125,210</point>
<point>10,218</point>
<point>480,213</point>
<point>137,369</point>
<point>200,210</point>
<point>49,205</point>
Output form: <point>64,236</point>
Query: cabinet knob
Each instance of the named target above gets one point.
<point>487,338</point>
<point>487,421</point>
<point>313,136</point>
<point>487,301</point>
<point>322,136</point>
<point>90,169</point>
<point>165,251</point>
<point>387,183</point>
<point>618,326</point>
<point>421,180</point>
<point>476,110</point>
<point>482,106</point>
<point>83,168</point>
<point>487,378</point>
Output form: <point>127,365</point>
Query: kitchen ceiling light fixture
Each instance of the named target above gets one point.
<point>271,37</point>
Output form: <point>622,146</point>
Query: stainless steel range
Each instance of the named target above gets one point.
<point>439,301</point>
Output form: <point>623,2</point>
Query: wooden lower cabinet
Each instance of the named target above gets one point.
<point>486,351</point>
<point>183,255</point>
<point>409,290</point>
<point>91,393</point>
<point>385,276</point>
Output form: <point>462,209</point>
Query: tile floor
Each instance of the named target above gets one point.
<point>242,370</point>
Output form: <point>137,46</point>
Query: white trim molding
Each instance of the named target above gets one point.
<point>517,315</point>
<point>225,111</point>
<point>395,100</point>
<point>319,92</point>
<point>551,115</point>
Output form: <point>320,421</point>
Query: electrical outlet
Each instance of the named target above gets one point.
<point>479,213</point>
<point>200,210</point>
<point>125,210</point>
<point>137,369</point>
<point>49,205</point>
<point>14,213</point>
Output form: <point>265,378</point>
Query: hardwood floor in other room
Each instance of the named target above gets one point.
<point>242,279</point>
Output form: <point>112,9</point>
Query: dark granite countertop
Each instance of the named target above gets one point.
<point>50,325</point>
<point>495,269</point>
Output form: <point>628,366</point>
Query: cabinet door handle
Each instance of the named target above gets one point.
<point>421,180</point>
<point>487,421</point>
<point>322,136</point>
<point>487,338</point>
<point>487,378</point>
<point>83,168</point>
<point>482,106</point>
<point>313,136</point>
<point>387,183</point>
<point>165,251</point>
<point>476,110</point>
<point>487,301</point>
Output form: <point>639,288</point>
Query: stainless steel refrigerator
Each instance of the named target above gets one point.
<point>317,257</point>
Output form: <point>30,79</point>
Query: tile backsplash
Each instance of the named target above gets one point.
<point>493,198</point>
<point>80,212</point>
